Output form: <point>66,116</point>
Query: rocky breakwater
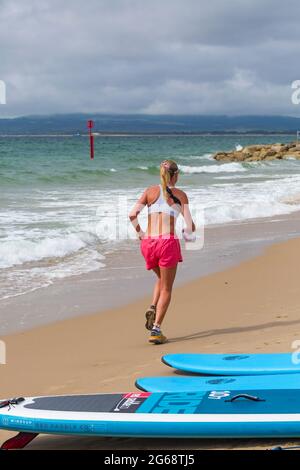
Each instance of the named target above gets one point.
<point>255,153</point>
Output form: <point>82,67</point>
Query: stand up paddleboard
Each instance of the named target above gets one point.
<point>212,414</point>
<point>194,383</point>
<point>235,364</point>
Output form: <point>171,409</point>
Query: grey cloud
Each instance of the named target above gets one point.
<point>163,56</point>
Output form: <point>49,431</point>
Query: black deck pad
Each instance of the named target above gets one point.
<point>110,402</point>
<point>84,403</point>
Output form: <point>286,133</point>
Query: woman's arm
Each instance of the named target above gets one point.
<point>190,226</point>
<point>135,211</point>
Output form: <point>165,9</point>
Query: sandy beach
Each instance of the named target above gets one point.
<point>252,307</point>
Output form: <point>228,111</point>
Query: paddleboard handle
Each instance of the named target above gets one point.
<point>246,396</point>
<point>11,402</point>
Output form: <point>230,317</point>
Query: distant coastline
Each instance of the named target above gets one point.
<point>155,134</point>
<point>145,125</point>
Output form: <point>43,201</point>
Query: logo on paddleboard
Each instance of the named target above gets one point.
<point>235,358</point>
<point>130,402</point>
<point>220,381</point>
<point>217,395</point>
<point>5,421</point>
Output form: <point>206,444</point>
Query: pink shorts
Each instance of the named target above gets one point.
<point>162,252</point>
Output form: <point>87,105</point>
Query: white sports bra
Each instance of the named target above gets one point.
<point>161,205</point>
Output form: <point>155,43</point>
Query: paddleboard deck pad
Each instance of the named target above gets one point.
<point>205,383</point>
<point>235,364</point>
<point>200,414</point>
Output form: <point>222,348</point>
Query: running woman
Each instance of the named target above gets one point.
<point>159,244</point>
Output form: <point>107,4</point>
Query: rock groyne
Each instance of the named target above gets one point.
<point>254,153</point>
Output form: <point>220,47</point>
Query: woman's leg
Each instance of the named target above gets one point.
<point>167,277</point>
<point>151,312</point>
<point>156,292</point>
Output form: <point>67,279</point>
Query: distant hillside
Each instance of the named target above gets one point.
<point>76,123</point>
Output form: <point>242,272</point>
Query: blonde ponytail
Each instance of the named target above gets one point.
<point>164,180</point>
<point>167,170</point>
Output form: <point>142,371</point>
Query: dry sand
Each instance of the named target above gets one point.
<point>253,307</point>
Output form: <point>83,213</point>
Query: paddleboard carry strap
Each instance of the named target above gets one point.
<point>245,396</point>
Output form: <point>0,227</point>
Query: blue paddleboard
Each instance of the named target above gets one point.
<point>207,414</point>
<point>235,364</point>
<point>191,384</point>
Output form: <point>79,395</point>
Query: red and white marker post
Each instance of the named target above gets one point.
<point>90,125</point>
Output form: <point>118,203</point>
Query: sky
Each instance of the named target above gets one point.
<point>149,56</point>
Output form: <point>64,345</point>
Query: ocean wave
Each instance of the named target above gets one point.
<point>204,156</point>
<point>221,168</point>
<point>247,207</point>
<point>238,201</point>
<point>257,176</point>
<point>80,175</point>
<point>19,251</point>
<point>21,280</point>
<point>207,156</point>
<point>234,212</point>
<point>151,170</point>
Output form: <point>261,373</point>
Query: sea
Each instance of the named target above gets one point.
<point>63,214</point>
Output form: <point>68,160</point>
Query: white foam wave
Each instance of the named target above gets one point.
<point>221,168</point>
<point>20,250</point>
<point>248,176</point>
<point>20,280</point>
<point>225,203</point>
<point>204,156</point>
<point>207,156</point>
<point>221,213</point>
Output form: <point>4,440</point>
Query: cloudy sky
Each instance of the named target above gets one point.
<point>149,56</point>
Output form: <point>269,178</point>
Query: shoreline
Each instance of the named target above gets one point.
<point>251,307</point>
<point>124,279</point>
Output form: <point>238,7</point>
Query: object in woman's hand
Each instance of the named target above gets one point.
<point>141,234</point>
<point>189,236</point>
